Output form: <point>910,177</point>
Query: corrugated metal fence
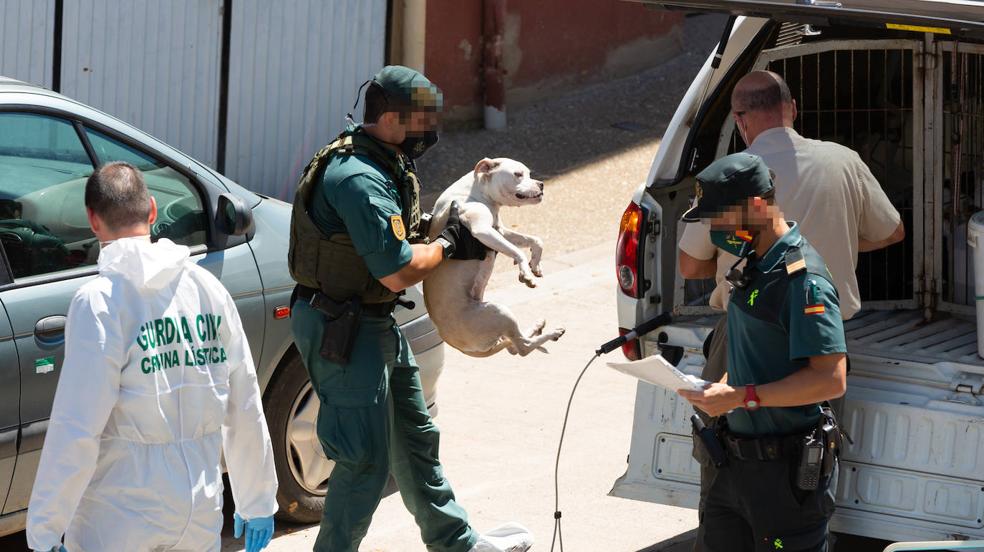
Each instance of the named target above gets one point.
<point>250,87</point>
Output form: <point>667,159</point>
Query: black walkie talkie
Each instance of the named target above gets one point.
<point>811,461</point>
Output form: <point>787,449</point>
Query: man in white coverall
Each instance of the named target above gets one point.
<point>157,383</point>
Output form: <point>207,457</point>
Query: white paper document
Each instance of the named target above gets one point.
<point>658,371</point>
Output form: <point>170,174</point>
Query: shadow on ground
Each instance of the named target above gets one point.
<point>684,542</point>
<point>571,129</point>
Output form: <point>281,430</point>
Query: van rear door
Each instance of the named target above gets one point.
<point>951,17</point>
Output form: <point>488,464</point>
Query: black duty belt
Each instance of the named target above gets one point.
<point>762,448</point>
<point>305,294</point>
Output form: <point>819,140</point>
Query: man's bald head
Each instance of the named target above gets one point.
<point>117,194</point>
<point>761,101</point>
<point>760,91</point>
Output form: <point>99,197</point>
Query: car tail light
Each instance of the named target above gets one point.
<point>632,349</point>
<point>627,250</point>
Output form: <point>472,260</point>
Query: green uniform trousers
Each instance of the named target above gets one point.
<point>373,421</point>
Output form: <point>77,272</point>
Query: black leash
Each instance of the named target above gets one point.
<point>558,534</point>
<point>635,333</point>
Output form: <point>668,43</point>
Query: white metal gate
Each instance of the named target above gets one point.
<point>294,71</point>
<point>152,64</point>
<point>291,73</point>
<point>27,40</point>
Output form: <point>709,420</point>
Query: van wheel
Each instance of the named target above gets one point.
<point>291,408</point>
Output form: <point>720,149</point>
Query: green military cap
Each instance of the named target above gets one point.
<point>405,87</point>
<point>726,182</point>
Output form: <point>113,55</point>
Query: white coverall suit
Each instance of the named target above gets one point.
<point>157,383</point>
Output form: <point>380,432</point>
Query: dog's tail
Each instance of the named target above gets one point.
<point>499,345</point>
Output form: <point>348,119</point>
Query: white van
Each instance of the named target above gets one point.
<point>902,83</point>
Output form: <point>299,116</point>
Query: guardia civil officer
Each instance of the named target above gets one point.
<point>354,246</point>
<point>786,356</point>
<point>824,186</point>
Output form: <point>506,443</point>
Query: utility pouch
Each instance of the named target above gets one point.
<point>341,326</point>
<point>832,439</point>
<point>709,442</point>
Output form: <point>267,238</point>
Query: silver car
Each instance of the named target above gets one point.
<point>49,145</point>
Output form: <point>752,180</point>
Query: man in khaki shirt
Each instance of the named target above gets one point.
<point>825,187</point>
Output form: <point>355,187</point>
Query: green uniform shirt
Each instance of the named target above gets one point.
<point>357,197</point>
<point>783,317</point>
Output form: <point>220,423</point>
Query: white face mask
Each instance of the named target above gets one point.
<point>742,131</point>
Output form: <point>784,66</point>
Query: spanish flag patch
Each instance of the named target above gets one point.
<point>743,235</point>
<point>814,309</point>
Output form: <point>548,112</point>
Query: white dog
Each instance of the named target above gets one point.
<point>454,291</point>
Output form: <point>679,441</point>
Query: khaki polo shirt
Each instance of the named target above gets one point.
<point>830,192</point>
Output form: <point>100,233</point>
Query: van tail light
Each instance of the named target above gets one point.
<point>627,250</point>
<point>632,349</point>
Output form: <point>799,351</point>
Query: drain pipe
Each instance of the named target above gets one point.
<point>493,72</point>
<point>414,33</point>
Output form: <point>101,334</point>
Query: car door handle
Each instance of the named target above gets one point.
<point>50,329</point>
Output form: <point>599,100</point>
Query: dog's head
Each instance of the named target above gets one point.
<point>508,182</point>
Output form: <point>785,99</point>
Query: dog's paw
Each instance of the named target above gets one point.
<point>557,334</point>
<point>537,271</point>
<point>527,279</point>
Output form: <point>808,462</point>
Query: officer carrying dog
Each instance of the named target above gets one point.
<point>775,445</point>
<point>356,242</point>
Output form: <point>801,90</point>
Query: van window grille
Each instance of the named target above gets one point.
<point>963,166</point>
<point>862,99</point>
<point>790,34</point>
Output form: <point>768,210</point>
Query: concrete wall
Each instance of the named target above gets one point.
<point>549,45</point>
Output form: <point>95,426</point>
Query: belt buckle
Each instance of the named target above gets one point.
<point>734,447</point>
<point>769,450</point>
<point>750,449</point>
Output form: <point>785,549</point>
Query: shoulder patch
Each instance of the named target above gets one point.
<point>795,261</point>
<point>814,300</point>
<point>396,223</point>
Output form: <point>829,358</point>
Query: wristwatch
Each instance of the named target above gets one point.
<point>448,247</point>
<point>751,398</point>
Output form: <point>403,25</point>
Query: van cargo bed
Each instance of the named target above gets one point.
<point>905,335</point>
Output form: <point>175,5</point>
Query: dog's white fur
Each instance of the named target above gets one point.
<point>454,291</point>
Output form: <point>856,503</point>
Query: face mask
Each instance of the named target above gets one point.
<point>742,132</point>
<point>738,243</point>
<point>415,146</point>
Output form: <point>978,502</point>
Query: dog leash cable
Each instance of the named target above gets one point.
<point>558,534</point>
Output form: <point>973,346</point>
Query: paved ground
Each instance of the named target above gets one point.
<point>592,146</point>
<point>500,419</point>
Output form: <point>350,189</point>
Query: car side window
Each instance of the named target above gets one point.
<point>43,169</point>
<point>181,214</point>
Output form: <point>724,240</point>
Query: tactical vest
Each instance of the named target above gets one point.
<point>330,263</point>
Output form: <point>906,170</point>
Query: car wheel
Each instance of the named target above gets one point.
<point>302,468</point>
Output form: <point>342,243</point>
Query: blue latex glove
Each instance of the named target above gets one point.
<point>259,531</point>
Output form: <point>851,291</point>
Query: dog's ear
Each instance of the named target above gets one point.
<point>485,166</point>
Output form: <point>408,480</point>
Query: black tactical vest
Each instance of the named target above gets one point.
<point>330,263</point>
